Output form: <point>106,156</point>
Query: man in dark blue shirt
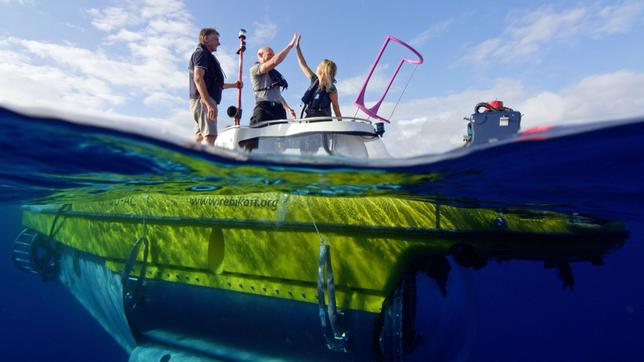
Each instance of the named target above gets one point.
<point>206,85</point>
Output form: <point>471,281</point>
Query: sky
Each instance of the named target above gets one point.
<point>563,62</point>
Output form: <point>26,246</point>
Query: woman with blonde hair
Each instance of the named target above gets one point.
<point>321,94</point>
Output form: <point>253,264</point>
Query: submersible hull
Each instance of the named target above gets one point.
<point>280,276</point>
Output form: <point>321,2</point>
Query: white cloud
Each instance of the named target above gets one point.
<point>618,18</point>
<point>125,36</point>
<point>612,95</point>
<point>163,99</point>
<point>482,52</point>
<point>436,124</point>
<point>112,18</point>
<point>160,36</point>
<point>153,74</point>
<point>264,31</point>
<point>74,27</point>
<point>16,2</point>
<point>27,85</point>
<point>431,32</point>
<point>149,43</point>
<point>433,125</point>
<point>229,64</point>
<point>145,23</point>
<point>378,82</point>
<point>528,35</point>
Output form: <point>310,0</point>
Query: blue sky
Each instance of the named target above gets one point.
<point>126,61</point>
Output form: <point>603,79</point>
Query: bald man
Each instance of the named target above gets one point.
<point>267,81</point>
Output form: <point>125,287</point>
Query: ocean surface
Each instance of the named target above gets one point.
<point>510,310</point>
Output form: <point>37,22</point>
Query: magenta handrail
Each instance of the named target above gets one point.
<point>359,102</point>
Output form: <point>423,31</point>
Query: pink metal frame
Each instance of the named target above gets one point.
<point>359,102</point>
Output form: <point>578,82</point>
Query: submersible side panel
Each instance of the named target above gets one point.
<point>242,326</point>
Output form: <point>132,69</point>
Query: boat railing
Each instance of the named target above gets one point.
<point>308,120</point>
<point>329,119</point>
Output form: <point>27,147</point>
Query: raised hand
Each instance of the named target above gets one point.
<point>292,42</point>
<point>297,42</point>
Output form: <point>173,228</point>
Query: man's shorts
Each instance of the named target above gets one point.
<point>203,125</point>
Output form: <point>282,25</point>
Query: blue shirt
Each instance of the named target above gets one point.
<point>213,77</point>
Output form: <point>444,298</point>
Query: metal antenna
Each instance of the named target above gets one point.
<point>403,91</point>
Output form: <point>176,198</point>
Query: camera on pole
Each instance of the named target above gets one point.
<point>232,111</point>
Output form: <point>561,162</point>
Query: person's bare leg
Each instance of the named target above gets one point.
<point>198,138</point>
<point>211,140</point>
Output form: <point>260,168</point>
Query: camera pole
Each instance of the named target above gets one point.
<point>232,111</point>
<point>240,51</point>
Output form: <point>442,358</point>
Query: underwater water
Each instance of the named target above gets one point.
<point>509,309</point>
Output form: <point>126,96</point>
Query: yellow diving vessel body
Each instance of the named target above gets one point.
<point>319,276</point>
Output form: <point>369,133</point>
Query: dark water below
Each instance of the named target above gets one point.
<point>517,310</point>
<point>40,320</point>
